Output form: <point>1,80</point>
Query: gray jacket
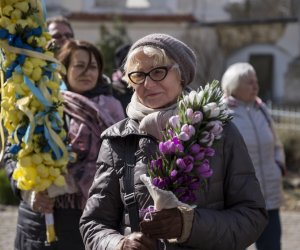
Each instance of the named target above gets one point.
<point>265,150</point>
<point>230,214</point>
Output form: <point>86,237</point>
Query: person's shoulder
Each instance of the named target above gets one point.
<point>122,128</point>
<point>230,130</point>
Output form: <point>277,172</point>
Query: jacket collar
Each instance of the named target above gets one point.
<point>122,129</point>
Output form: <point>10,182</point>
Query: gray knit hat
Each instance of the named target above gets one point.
<point>176,50</point>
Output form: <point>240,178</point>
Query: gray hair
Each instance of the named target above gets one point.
<point>235,75</point>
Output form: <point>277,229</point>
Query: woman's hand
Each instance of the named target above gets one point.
<point>137,241</point>
<point>165,224</point>
<point>42,203</point>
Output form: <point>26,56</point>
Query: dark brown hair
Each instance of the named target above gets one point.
<point>66,51</point>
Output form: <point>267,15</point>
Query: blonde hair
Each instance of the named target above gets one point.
<point>159,58</point>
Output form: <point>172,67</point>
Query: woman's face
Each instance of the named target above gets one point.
<point>82,73</point>
<point>247,91</point>
<point>156,94</point>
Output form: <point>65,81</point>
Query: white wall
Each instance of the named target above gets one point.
<point>281,61</point>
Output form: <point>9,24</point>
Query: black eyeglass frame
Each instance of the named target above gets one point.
<point>145,74</point>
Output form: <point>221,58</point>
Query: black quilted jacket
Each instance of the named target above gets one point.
<point>230,214</point>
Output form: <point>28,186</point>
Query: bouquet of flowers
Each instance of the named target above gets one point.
<point>31,104</point>
<point>183,165</point>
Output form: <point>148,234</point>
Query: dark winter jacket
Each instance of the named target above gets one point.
<point>88,117</point>
<point>230,214</point>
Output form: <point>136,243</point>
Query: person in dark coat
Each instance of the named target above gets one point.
<point>229,214</point>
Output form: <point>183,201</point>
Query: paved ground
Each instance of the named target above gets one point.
<point>290,224</point>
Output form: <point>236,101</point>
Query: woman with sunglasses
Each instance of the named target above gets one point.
<point>231,214</point>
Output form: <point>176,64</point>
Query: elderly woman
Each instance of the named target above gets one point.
<point>230,214</point>
<point>251,117</point>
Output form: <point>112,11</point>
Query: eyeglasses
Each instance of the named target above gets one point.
<point>156,74</point>
<point>60,36</point>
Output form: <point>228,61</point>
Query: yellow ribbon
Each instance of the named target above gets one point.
<point>60,67</point>
<point>22,105</point>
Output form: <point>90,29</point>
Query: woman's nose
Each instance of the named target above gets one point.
<point>149,83</point>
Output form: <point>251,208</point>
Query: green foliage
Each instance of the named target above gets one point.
<point>110,40</point>
<point>6,195</point>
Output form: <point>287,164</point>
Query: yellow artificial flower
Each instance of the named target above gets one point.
<point>42,171</point>
<point>10,89</point>
<point>36,74</point>
<point>22,6</point>
<point>60,181</point>
<point>5,103</point>
<point>54,172</point>
<point>11,28</point>
<point>17,78</point>
<point>27,67</point>
<point>48,159</point>
<point>23,153</point>
<point>44,184</point>
<point>15,15</point>
<point>25,161</point>
<point>22,23</point>
<point>19,90</point>
<point>25,177</point>
<point>37,62</point>
<point>7,10</point>
<point>37,159</point>
<point>4,22</point>
<point>41,41</point>
<point>31,23</point>
<point>10,2</point>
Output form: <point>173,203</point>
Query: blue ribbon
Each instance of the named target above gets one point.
<point>36,92</point>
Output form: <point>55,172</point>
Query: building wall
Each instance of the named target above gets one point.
<point>281,40</point>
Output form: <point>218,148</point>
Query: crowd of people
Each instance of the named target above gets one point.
<point>114,126</point>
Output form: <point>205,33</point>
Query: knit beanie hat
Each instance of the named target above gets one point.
<point>176,50</point>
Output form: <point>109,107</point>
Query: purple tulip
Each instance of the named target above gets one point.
<point>194,117</point>
<point>188,197</point>
<point>186,163</point>
<point>167,147</point>
<point>195,148</point>
<point>174,121</point>
<point>204,170</point>
<point>156,164</point>
<point>187,131</point>
<point>209,152</point>
<point>215,128</point>
<point>159,182</point>
<point>207,138</point>
<point>179,191</point>
<point>173,175</point>
<point>194,183</point>
<point>198,117</point>
<point>178,145</point>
